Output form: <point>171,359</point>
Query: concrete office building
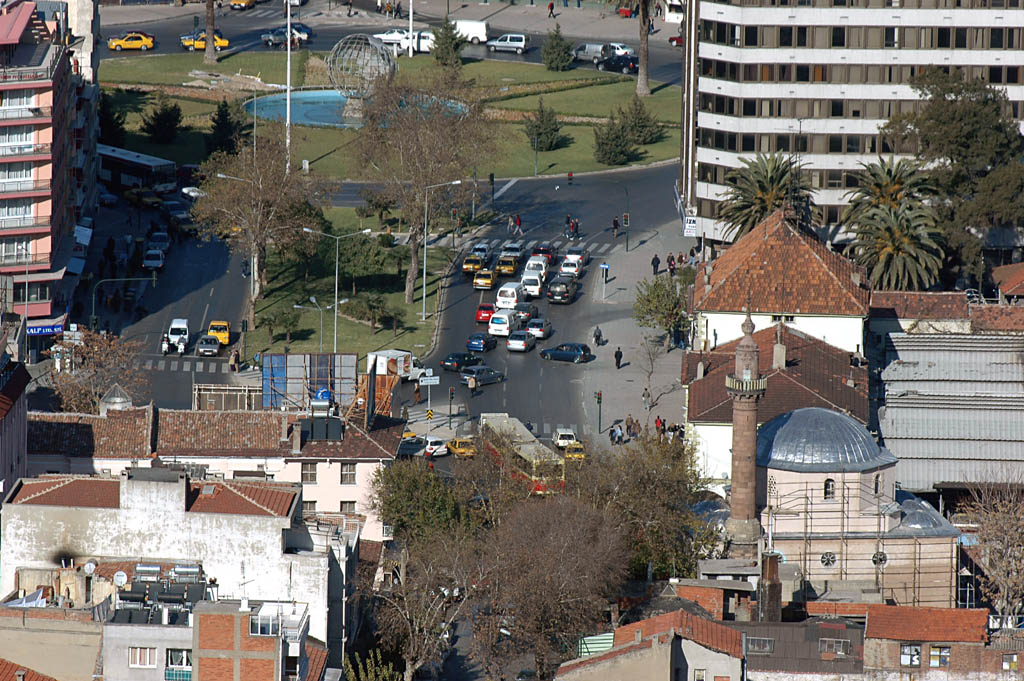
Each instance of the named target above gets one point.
<point>817,78</point>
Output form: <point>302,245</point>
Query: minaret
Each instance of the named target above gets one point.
<point>745,386</point>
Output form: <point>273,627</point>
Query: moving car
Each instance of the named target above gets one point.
<point>435,447</point>
<point>572,268</point>
<point>509,42</point>
<point>503,323</point>
<point>563,437</point>
<point>481,342</point>
<point>481,250</point>
<point>153,259</point>
<point>626,64</point>
<point>243,4</point>
<point>483,374</point>
<point>537,266</point>
<point>178,330</point>
<point>548,252</point>
<point>472,264</point>
<point>514,249</point>
<point>462,447</point>
<point>302,30</point>
<point>533,285</point>
<point>567,352</point>
<point>197,41</point>
<point>520,341</point>
<point>574,451</point>
<point>393,37</point>
<point>509,295</point>
<point>161,241</point>
<point>621,49</point>
<point>422,41</point>
<point>675,40</point>
<point>142,197</point>
<point>132,40</point>
<point>207,346</point>
<point>594,52</point>
<point>108,199</point>
<point>457,361</point>
<point>484,312</point>
<point>578,253</point>
<point>220,330</point>
<point>410,447</point>
<point>472,30</point>
<point>176,211</point>
<point>484,280</point>
<point>507,265</point>
<point>563,289</point>
<point>525,312</point>
<point>539,327</point>
<point>277,37</point>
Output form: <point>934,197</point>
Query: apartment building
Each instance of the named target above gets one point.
<point>817,78</point>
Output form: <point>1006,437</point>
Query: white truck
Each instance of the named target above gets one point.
<point>400,363</point>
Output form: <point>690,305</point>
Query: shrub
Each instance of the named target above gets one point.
<point>448,45</point>
<point>639,123</point>
<point>544,128</point>
<point>612,144</point>
<point>557,51</point>
<point>163,121</point>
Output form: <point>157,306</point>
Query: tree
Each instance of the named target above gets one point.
<point>111,121</point>
<point>91,366</point>
<point>362,256</point>
<point>643,83</point>
<point>370,668</point>
<point>270,319</point>
<point>543,129</point>
<point>486,485</point>
<point>997,512</point>
<point>762,186</point>
<point>612,143</point>
<point>163,120</point>
<point>289,321</point>
<point>888,183</point>
<point>417,136</point>
<point>210,55</point>
<point>225,130</point>
<point>255,212</point>
<point>641,126</point>
<point>900,247</point>
<point>447,48</point>
<point>414,500</point>
<point>556,53</point>
<point>660,303</point>
<point>379,204</point>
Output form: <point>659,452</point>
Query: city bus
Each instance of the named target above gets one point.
<point>540,466</point>
<point>122,169</point>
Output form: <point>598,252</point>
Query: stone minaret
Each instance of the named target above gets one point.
<point>745,386</point>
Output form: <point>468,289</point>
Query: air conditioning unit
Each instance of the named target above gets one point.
<point>389,532</point>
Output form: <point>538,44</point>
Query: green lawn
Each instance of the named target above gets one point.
<point>173,69</point>
<point>189,147</point>
<point>497,73</point>
<point>600,100</point>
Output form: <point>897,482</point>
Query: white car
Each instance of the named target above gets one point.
<point>153,260</point>
<point>578,253</point>
<point>435,447</point>
<point>539,328</point>
<point>537,266</point>
<point>514,249</point>
<point>178,331</point>
<point>503,324</point>
<point>622,49</point>
<point>571,267</point>
<point>482,250</point>
<point>193,192</point>
<point>532,284</point>
<point>563,437</point>
<point>160,241</point>
<point>393,37</point>
<point>422,41</point>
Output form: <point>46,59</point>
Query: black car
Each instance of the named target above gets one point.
<point>567,352</point>
<point>562,289</point>
<point>525,312</point>
<point>457,361</point>
<point>625,63</point>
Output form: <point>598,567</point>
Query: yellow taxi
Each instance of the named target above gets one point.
<point>484,279</point>
<point>462,448</point>
<point>221,331</point>
<point>243,4</point>
<point>472,264</point>
<point>574,451</point>
<point>507,265</point>
<point>197,41</point>
<point>408,434</point>
<point>132,40</point>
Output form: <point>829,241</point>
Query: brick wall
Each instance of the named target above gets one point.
<point>262,670</point>
<point>215,669</point>
<point>217,632</point>
<point>711,599</point>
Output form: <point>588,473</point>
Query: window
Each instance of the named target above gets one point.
<point>749,107</point>
<point>37,291</point>
<point>801,36</point>
<point>15,208</point>
<point>15,250</point>
<point>776,318</point>
<point>878,484</point>
<point>12,99</point>
<point>179,658</point>
<point>890,37</point>
<point>910,655</point>
<point>995,74</point>
<point>830,489</point>
<point>16,134</point>
<point>142,657</point>
<point>835,145</point>
<point>308,473</point>
<point>750,36</point>
<point>943,38</point>
<point>996,38</point>
<point>16,171</point>
<point>785,36</point>
<point>699,674</point>
<point>852,145</point>
<point>960,38</point>
<point>760,646</point>
<point>837,646</point>
<point>308,507</point>
<point>938,656</point>
<point>839,35</point>
<point>836,108</point>
<point>348,474</point>
<point>879,558</point>
<point>264,626</point>
<point>1010,662</point>
<point>348,507</point>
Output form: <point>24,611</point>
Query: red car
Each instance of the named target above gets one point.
<point>545,251</point>
<point>675,40</point>
<point>484,312</point>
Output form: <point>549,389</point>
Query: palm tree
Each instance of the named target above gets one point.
<point>899,246</point>
<point>888,183</point>
<point>765,184</point>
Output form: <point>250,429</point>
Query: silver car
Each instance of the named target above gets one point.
<point>208,346</point>
<point>539,328</point>
<point>520,341</point>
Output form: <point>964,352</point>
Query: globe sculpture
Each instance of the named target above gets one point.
<point>357,62</point>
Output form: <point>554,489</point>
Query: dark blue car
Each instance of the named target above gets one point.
<point>567,352</point>
<point>481,342</point>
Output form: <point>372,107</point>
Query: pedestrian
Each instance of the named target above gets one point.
<point>662,428</point>
<point>519,225</point>
<point>679,259</point>
<point>511,224</point>
<point>615,227</point>
<point>611,435</point>
<point>387,10</point>
<point>416,393</point>
<point>471,384</point>
<point>646,397</point>
<point>619,435</point>
<point>231,362</point>
<point>618,358</point>
<point>598,336</point>
<point>655,262</point>
<point>657,424</point>
<point>568,222</point>
<point>378,6</point>
<point>671,265</point>
<point>551,10</point>
<point>398,9</point>
<point>650,28</point>
<point>349,4</point>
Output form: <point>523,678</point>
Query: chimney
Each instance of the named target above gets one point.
<point>850,382</point>
<point>164,616</point>
<point>779,351</point>
<point>244,605</point>
<point>769,590</point>
<point>296,438</point>
<point>284,428</point>
<point>700,369</point>
<point>638,635</point>
<point>855,276</point>
<point>19,675</point>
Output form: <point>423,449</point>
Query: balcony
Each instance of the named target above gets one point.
<point>28,221</point>
<point>28,149</point>
<point>24,187</point>
<point>177,674</point>
<point>44,67</point>
<point>25,113</point>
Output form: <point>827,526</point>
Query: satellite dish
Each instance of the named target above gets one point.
<point>120,578</point>
<point>89,567</point>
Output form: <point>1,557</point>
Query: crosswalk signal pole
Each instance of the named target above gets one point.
<point>451,398</point>
<point>597,396</point>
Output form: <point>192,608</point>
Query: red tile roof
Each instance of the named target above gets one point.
<point>241,498</point>
<point>700,630</point>
<point>316,653</point>
<point>938,625</point>
<point>14,379</point>
<point>13,21</point>
<point>8,670</point>
<point>816,375</point>
<point>68,490</point>
<point>121,434</point>
<point>617,651</point>
<point>380,443</point>
<point>224,433</point>
<point>919,304</point>
<point>780,269</point>
<point>836,609</point>
<point>997,318</point>
<point>1010,279</point>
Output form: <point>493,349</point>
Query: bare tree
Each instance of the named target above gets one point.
<point>997,511</point>
<point>91,366</point>
<point>210,54</point>
<point>417,136</point>
<point>486,484</point>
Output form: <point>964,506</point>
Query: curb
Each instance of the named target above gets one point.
<point>591,173</point>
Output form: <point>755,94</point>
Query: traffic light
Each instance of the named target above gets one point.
<point>451,394</point>
<point>455,213</point>
<point>598,396</point>
<point>492,180</point>
<point>625,219</point>
<point>570,177</point>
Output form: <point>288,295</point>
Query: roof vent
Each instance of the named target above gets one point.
<point>20,675</point>
<point>855,276</point>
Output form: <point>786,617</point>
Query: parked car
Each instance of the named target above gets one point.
<point>484,311</point>
<point>520,341</point>
<point>594,52</point>
<point>481,342</point>
<point>132,40</point>
<point>108,199</point>
<point>422,41</point>
<point>625,64</point>
<point>563,289</point>
<point>472,30</point>
<point>675,40</point>
<point>153,259</point>
<point>161,241</point>
<point>457,361</point>
<point>393,37</point>
<point>525,312</point>
<point>567,352</point>
<point>483,374</point>
<point>621,49</point>
<point>539,327</point>
<point>509,42</point>
<point>207,346</point>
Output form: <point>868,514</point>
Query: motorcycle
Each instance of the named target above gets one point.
<point>165,346</point>
<point>181,348</point>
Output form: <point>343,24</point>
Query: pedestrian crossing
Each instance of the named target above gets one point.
<point>183,364</point>
<point>558,244</point>
<point>264,12</point>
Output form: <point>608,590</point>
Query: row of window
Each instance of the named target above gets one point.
<point>910,656</point>
<point>146,658</point>
<point>15,251</point>
<point>826,215</point>
<point>908,4</point>
<point>861,37</point>
<point>803,109</point>
<point>767,143</point>
<point>345,507</point>
<point>760,645</point>
<point>348,473</point>
<point>13,99</point>
<point>846,74</point>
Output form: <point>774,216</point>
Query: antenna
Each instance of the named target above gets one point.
<point>244,581</point>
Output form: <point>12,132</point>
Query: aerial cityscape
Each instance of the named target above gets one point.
<point>511,340</point>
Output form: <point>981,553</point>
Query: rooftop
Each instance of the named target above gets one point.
<point>706,632</point>
<point>14,378</point>
<point>9,670</point>
<point>938,625</point>
<point>919,304</point>
<point>121,434</point>
<point>816,440</point>
<point>1010,279</point>
<point>757,272</point>
<point>997,318</point>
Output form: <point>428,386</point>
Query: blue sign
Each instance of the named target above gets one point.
<point>49,330</point>
<point>605,266</point>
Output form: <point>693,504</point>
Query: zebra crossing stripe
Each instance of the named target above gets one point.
<point>148,364</point>
<point>174,365</point>
<point>186,366</point>
<point>160,365</point>
<point>224,368</point>
<point>199,367</point>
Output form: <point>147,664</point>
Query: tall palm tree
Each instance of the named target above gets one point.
<point>899,246</point>
<point>888,183</point>
<point>763,185</point>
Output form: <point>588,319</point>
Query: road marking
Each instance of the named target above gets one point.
<point>186,366</point>
<point>211,293</point>
<point>148,364</point>
<point>531,244</point>
<point>547,428</point>
<point>174,365</point>
<point>202,324</point>
<point>508,185</point>
<point>160,365</point>
<point>199,367</point>
<point>602,249</point>
<point>224,368</point>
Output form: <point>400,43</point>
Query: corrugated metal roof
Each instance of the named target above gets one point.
<point>951,370</point>
<point>953,418</point>
<point>923,474</point>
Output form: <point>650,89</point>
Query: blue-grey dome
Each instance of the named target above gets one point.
<point>816,440</point>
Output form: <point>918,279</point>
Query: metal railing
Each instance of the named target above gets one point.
<point>745,385</point>
<point>24,221</point>
<point>18,112</point>
<point>42,72</point>
<point>24,149</point>
<point>17,186</point>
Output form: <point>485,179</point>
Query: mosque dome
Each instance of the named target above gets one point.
<point>816,440</point>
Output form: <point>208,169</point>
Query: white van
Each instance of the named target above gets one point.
<point>473,31</point>
<point>537,266</point>
<point>510,295</point>
<point>503,323</point>
<point>533,285</point>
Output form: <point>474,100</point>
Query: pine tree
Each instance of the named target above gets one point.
<point>448,45</point>
<point>225,130</point>
<point>641,126</point>
<point>612,144</point>
<point>163,121</point>
<point>111,120</point>
<point>557,51</point>
<point>544,128</point>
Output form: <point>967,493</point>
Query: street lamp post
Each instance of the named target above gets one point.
<point>312,299</point>
<point>626,189</point>
<point>337,241</point>
<point>426,194</point>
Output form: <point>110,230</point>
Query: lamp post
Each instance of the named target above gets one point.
<point>426,195</point>
<point>337,241</point>
<point>626,189</point>
<point>312,299</point>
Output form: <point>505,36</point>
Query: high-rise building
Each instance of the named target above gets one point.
<point>817,78</point>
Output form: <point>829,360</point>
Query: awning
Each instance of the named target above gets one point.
<point>46,327</point>
<point>54,275</point>
<point>83,235</point>
<point>76,265</point>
